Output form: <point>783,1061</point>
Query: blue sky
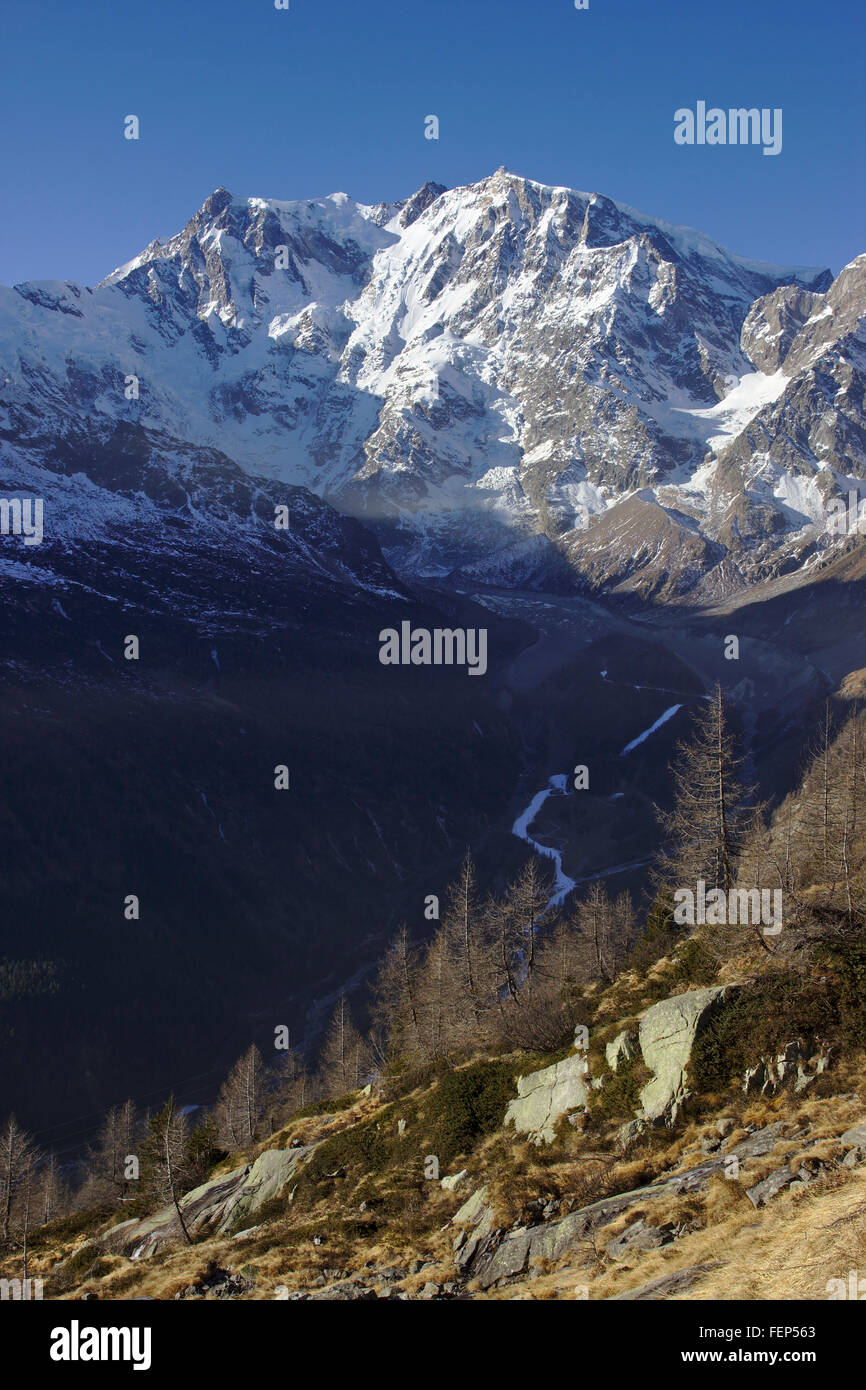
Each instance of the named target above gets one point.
<point>332,94</point>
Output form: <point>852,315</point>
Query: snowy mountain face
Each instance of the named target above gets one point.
<point>511,383</point>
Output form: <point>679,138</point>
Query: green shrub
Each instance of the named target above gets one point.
<point>848,961</point>
<point>467,1105</point>
<point>619,1096</point>
<point>659,937</point>
<point>351,1155</point>
<point>68,1227</point>
<point>759,1019</point>
<point>274,1209</point>
<point>694,964</point>
<point>404,1075</point>
<point>80,1261</point>
<point>87,1263</point>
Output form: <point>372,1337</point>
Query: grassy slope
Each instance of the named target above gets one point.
<point>363,1200</point>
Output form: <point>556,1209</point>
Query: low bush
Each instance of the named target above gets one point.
<point>847,960</point>
<point>466,1106</point>
<point>619,1096</point>
<point>759,1019</point>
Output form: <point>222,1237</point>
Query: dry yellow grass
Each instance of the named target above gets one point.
<point>787,1250</point>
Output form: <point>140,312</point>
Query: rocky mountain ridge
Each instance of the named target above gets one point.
<point>503,379</point>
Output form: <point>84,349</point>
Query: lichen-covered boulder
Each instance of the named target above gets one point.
<point>855,1138</point>
<point>475,1221</point>
<point>220,1205</point>
<point>543,1097</point>
<point>667,1035</point>
<point>266,1179</point>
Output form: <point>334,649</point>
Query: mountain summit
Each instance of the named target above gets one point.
<point>507,380</point>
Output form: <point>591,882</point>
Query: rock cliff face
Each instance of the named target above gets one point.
<point>666,1038</point>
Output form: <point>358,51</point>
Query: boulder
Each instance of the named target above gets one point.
<point>755,1079</point>
<point>543,1097</point>
<point>667,1284</point>
<point>628,1133</point>
<point>667,1034</point>
<point>342,1293</point>
<point>214,1207</point>
<point>474,1209</point>
<point>266,1179</point>
<point>640,1236</point>
<point>854,1138</point>
<point>510,1257</point>
<point>760,1141</point>
<point>769,1074</point>
<point>493,1255</point>
<point>762,1192</point>
<point>477,1216</point>
<point>788,1059</point>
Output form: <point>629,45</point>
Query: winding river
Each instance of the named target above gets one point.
<point>558,785</point>
<point>564,884</point>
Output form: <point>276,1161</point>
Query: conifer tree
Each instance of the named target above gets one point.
<point>343,1057</point>
<point>710,815</point>
<point>396,1025</point>
<point>241,1100</point>
<point>17,1156</point>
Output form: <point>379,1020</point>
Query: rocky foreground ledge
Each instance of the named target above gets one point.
<point>667,1194</point>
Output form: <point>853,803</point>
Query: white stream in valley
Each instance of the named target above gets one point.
<point>564,884</point>
<point>557,784</point>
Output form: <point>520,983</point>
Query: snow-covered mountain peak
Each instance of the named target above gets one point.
<point>467,369</point>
